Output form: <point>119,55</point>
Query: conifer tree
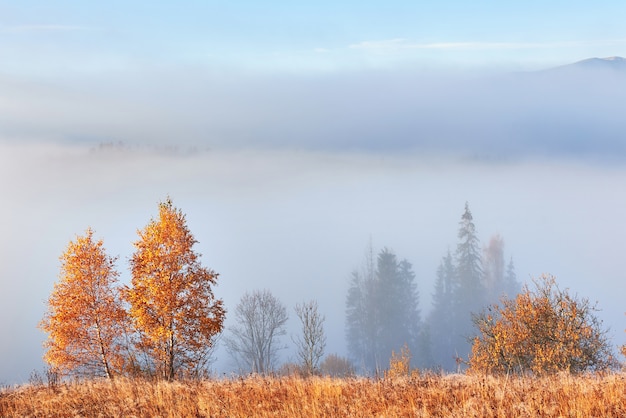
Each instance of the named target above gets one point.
<point>441,316</point>
<point>382,311</point>
<point>469,292</point>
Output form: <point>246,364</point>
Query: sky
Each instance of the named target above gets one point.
<point>70,38</point>
<point>293,134</point>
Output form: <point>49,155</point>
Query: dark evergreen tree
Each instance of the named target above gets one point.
<point>441,317</point>
<point>360,325</point>
<point>381,311</point>
<point>408,296</point>
<point>511,286</point>
<point>469,292</point>
<point>465,284</point>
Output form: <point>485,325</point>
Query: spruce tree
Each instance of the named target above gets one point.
<point>381,311</point>
<point>441,317</point>
<point>469,292</point>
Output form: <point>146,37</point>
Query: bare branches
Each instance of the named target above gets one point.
<point>254,341</point>
<point>311,344</point>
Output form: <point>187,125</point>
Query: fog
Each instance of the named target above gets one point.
<point>285,180</point>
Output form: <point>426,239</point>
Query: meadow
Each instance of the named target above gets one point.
<point>428,395</point>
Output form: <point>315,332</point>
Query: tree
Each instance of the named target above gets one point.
<point>511,285</point>
<point>398,308</point>
<point>498,280</point>
<point>441,318</point>
<point>85,320</point>
<point>361,321</point>
<point>541,331</point>
<point>310,346</point>
<point>469,292</point>
<point>381,310</point>
<point>254,341</point>
<point>171,298</point>
<point>493,268</point>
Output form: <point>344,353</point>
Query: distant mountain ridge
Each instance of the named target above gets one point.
<point>617,64</point>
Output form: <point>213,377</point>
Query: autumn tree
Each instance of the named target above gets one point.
<point>541,331</point>
<point>171,299</point>
<point>311,344</point>
<point>499,280</point>
<point>85,320</point>
<point>255,339</point>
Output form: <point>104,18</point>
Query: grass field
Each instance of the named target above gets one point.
<point>417,396</point>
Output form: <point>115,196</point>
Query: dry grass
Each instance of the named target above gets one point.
<point>417,396</point>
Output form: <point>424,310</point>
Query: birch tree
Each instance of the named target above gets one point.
<point>172,304</point>
<point>85,320</point>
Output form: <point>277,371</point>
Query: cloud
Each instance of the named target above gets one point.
<point>398,44</point>
<point>503,117</point>
<point>43,28</point>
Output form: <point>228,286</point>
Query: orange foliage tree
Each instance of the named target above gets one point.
<point>85,320</point>
<point>171,300</point>
<point>542,332</point>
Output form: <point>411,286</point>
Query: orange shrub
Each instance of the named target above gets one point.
<point>541,331</point>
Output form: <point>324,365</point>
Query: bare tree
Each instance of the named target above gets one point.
<point>254,341</point>
<point>312,342</point>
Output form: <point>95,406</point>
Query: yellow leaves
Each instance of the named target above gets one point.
<point>171,298</point>
<point>541,331</point>
<point>170,302</point>
<point>85,320</point>
<point>400,363</point>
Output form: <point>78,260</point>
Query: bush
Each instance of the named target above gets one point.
<point>541,331</point>
<point>336,366</point>
<point>400,363</point>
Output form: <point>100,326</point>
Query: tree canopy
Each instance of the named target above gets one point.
<point>85,320</point>
<point>382,310</point>
<point>542,331</point>
<point>171,297</point>
<point>255,340</point>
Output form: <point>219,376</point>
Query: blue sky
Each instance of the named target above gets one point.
<point>39,37</point>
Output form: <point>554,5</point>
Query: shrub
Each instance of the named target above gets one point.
<point>336,366</point>
<point>541,331</point>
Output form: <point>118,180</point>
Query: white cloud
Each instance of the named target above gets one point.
<point>397,44</point>
<point>43,28</point>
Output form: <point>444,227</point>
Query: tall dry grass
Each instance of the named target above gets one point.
<point>416,396</point>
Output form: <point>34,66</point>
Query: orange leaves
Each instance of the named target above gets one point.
<point>171,304</point>
<point>540,331</point>
<point>85,320</point>
<point>171,298</point>
<point>400,364</point>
